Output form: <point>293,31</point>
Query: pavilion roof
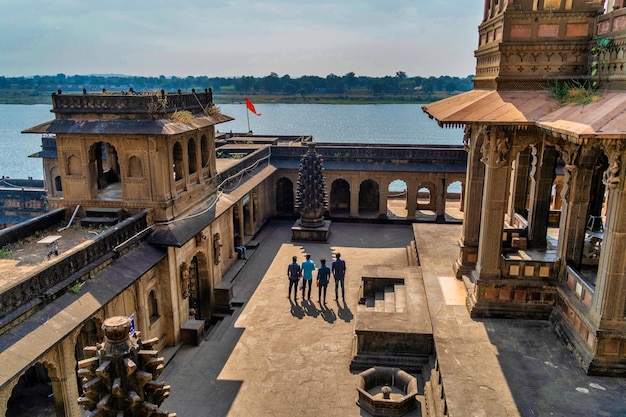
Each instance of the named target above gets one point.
<point>605,118</point>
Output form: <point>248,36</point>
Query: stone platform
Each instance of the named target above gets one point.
<point>392,325</point>
<point>310,234</point>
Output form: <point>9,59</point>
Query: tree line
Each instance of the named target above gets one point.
<point>272,84</point>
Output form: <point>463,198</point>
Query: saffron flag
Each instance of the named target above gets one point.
<point>250,107</point>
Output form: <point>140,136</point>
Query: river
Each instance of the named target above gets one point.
<point>340,123</point>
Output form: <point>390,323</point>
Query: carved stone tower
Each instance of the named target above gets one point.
<point>523,44</point>
<point>311,198</point>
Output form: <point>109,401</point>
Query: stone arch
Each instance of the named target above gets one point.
<point>340,198</point>
<point>284,196</point>
<point>426,196</point>
<point>103,156</point>
<point>90,333</point>
<point>38,390</point>
<point>454,190</point>
<point>135,167</point>
<point>177,159</point>
<point>397,202</point>
<point>192,156</point>
<point>369,196</point>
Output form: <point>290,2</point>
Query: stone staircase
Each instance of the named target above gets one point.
<point>391,300</point>
<point>102,217</point>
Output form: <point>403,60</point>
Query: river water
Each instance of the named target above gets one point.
<point>339,123</point>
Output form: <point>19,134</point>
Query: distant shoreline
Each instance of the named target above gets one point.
<point>11,96</point>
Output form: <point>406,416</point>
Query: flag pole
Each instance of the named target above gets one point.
<point>248,116</point>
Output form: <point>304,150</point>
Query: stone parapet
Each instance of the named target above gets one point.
<point>135,104</point>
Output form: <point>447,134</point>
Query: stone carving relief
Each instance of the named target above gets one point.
<point>570,154</point>
<point>217,248</point>
<point>200,239</point>
<point>502,149</point>
<point>467,136</point>
<point>611,177</point>
<point>484,131</point>
<point>184,279</point>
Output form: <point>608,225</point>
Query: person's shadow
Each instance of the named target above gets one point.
<point>309,308</point>
<point>328,314</point>
<point>344,312</point>
<point>296,310</point>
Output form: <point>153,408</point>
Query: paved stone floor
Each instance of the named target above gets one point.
<point>275,357</point>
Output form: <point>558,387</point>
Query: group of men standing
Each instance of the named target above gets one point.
<point>295,272</point>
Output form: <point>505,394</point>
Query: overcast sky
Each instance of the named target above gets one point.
<point>223,38</point>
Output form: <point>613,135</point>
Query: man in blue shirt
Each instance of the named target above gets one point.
<point>338,269</point>
<point>308,266</point>
<point>323,276</point>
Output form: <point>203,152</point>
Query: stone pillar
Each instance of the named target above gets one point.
<point>519,184</point>
<point>249,226</point>
<point>411,199</point>
<point>495,152</point>
<point>240,220</point>
<point>542,177</point>
<point>382,201</point>
<point>67,380</point>
<point>472,204</point>
<point>575,205</point>
<point>354,200</point>
<point>609,301</point>
<point>440,208</point>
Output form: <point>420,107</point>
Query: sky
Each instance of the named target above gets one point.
<point>233,38</point>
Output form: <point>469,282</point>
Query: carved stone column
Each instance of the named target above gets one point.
<point>575,205</point>
<point>382,201</point>
<point>609,301</point>
<point>472,204</point>
<point>495,151</point>
<point>519,184</point>
<point>411,199</point>
<point>440,208</point>
<point>542,177</point>
<point>354,199</point>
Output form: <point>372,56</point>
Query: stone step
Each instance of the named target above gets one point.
<point>104,212</point>
<point>379,304</point>
<point>390,300</point>
<point>400,293</point>
<point>98,221</point>
<point>411,252</point>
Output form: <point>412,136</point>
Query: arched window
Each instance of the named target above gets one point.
<point>177,156</point>
<point>204,151</point>
<point>191,155</point>
<point>74,167</point>
<point>153,306</point>
<point>135,168</point>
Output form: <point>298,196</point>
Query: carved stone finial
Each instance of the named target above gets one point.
<point>119,374</point>
<point>311,197</point>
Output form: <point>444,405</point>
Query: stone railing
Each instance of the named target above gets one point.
<point>580,287</point>
<point>419,154</point>
<point>48,283</point>
<point>250,162</point>
<point>516,266</point>
<point>132,103</point>
<point>611,25</point>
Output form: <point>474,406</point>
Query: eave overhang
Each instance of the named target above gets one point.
<point>126,126</point>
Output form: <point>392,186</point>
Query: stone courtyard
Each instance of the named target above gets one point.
<point>276,357</point>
